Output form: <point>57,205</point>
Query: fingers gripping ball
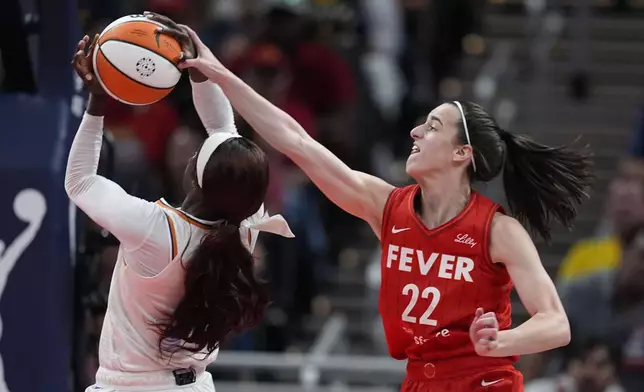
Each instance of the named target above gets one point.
<point>134,63</point>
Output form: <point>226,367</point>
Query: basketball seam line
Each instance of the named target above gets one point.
<point>142,47</point>
<point>129,77</point>
<point>133,21</point>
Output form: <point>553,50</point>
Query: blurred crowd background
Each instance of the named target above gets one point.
<point>358,75</point>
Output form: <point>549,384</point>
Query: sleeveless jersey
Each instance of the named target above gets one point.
<point>433,280</point>
<point>129,341</point>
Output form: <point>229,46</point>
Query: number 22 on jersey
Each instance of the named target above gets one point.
<point>430,293</point>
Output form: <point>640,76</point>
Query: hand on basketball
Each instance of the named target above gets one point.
<point>195,54</point>
<point>484,332</point>
<point>176,31</point>
<point>205,62</point>
<point>82,63</point>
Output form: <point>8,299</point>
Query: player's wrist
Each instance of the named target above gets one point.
<point>504,344</point>
<point>197,76</point>
<point>96,105</point>
<point>217,73</point>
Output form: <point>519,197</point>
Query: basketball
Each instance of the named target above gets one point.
<point>134,63</point>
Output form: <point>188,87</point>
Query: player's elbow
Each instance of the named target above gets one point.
<point>74,187</point>
<point>69,187</point>
<point>298,146</point>
<point>561,337</point>
<point>565,334</point>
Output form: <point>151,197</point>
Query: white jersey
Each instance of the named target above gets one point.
<point>129,340</point>
<point>156,241</point>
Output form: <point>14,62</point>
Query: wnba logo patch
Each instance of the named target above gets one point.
<point>145,67</point>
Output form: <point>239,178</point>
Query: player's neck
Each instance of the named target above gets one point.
<point>442,199</point>
<point>191,205</point>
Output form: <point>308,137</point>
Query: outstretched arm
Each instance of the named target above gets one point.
<point>548,326</point>
<point>357,193</point>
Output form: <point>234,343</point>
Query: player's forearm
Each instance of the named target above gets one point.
<point>85,153</point>
<point>211,104</point>
<point>542,332</point>
<point>274,125</point>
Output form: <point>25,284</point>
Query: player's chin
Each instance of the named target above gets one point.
<point>413,166</point>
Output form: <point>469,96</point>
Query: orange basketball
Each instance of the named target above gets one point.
<point>134,63</point>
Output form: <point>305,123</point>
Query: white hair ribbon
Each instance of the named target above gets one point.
<point>209,146</point>
<point>250,227</point>
<point>467,132</point>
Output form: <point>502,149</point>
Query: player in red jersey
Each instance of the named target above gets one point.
<point>450,256</point>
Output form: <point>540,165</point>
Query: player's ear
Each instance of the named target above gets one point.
<point>463,153</point>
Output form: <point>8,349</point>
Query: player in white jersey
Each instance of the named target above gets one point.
<point>184,276</point>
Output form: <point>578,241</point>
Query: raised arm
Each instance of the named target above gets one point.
<point>211,104</point>
<point>357,193</point>
<point>140,226</point>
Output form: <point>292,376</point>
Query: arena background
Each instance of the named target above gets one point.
<point>557,70</point>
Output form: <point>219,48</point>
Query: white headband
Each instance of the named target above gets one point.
<point>250,227</point>
<point>467,133</point>
<point>209,146</point>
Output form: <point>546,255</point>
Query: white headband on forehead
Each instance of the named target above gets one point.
<point>209,146</point>
<point>467,132</point>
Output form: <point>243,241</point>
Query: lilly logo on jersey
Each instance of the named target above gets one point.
<point>465,239</point>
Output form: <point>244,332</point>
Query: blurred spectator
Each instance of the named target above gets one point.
<point>591,369</point>
<point>151,125</point>
<point>453,20</point>
<point>172,8</point>
<point>433,48</point>
<point>140,136</point>
<point>266,68</point>
<point>610,305</point>
<point>323,81</point>
<point>321,78</point>
<point>637,146</point>
<point>296,271</point>
<point>624,209</point>
<point>190,12</point>
<point>182,145</point>
<point>384,30</point>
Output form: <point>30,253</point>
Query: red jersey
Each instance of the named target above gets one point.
<point>434,280</point>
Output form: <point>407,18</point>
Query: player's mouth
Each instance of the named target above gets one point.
<point>414,149</point>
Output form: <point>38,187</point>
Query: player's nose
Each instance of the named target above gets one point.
<point>416,133</point>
